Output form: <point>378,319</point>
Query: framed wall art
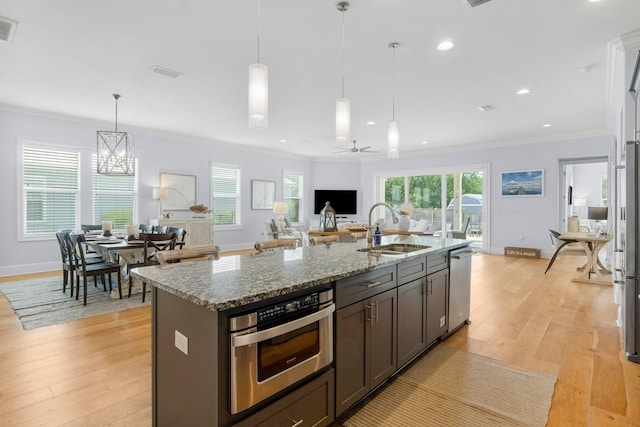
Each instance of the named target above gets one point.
<point>523,183</point>
<point>177,192</point>
<point>263,194</point>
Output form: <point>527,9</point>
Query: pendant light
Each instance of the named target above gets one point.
<point>393,135</point>
<point>343,105</point>
<point>115,151</point>
<point>258,90</point>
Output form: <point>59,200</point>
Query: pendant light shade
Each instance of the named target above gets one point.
<point>393,140</point>
<point>258,96</point>
<point>343,105</point>
<point>343,121</point>
<point>393,135</point>
<point>258,89</point>
<point>115,151</point>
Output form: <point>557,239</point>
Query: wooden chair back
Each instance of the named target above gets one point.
<point>201,253</point>
<point>154,243</point>
<point>323,239</point>
<point>278,243</point>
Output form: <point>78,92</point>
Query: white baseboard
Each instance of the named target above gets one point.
<point>12,270</point>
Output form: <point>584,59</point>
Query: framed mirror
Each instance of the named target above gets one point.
<point>177,192</point>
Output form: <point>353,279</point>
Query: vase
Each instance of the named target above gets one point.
<point>404,222</point>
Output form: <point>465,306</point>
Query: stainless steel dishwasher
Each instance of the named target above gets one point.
<point>459,287</point>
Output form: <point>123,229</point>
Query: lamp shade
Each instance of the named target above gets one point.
<point>343,121</point>
<point>597,213</point>
<point>393,140</point>
<point>258,96</point>
<point>281,207</point>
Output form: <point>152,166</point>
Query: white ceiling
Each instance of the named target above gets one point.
<point>69,56</point>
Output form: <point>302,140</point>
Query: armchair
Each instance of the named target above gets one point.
<point>273,231</point>
<point>460,234</point>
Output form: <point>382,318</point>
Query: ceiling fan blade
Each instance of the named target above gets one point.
<point>365,148</point>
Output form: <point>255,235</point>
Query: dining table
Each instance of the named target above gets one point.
<point>592,243</point>
<point>123,251</point>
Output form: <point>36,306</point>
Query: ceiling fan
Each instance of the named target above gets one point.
<point>355,149</point>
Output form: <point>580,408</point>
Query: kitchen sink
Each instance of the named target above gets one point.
<point>395,249</point>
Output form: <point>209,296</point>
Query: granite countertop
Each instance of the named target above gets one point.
<point>237,280</point>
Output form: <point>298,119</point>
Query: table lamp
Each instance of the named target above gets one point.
<point>597,214</point>
<point>281,208</point>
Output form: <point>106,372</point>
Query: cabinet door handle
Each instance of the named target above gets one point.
<point>377,314</point>
<point>430,286</point>
<point>369,313</point>
<point>371,284</point>
<point>425,287</point>
<point>296,423</point>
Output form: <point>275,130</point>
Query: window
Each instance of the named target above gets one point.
<point>50,182</point>
<point>293,184</point>
<point>225,189</point>
<point>113,198</point>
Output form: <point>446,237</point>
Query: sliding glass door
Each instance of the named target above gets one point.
<point>441,201</point>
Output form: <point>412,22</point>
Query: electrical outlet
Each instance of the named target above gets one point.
<point>442,321</point>
<point>182,342</point>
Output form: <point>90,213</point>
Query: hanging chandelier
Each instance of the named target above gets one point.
<point>343,105</point>
<point>115,150</point>
<point>393,135</point>
<point>258,90</point>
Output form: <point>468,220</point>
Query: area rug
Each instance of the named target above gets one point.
<point>448,387</point>
<point>41,302</point>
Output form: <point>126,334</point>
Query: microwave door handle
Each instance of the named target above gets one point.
<point>256,337</point>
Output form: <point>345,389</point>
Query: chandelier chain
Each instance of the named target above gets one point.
<point>258,41</point>
<point>342,54</point>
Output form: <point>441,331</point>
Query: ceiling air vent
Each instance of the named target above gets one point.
<point>7,29</point>
<point>474,3</point>
<point>165,71</point>
<point>487,108</point>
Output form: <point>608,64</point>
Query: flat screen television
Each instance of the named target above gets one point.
<point>345,202</point>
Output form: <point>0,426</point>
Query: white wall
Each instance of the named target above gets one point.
<point>157,153</point>
<point>514,221</point>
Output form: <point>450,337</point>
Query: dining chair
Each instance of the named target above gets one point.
<point>85,269</point>
<point>558,243</point>
<point>160,229</point>
<point>460,234</point>
<point>324,239</point>
<point>278,243</point>
<point>181,234</point>
<point>68,263</point>
<point>90,227</point>
<point>144,228</point>
<point>153,243</point>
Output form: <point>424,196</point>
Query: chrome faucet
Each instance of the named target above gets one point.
<point>370,226</point>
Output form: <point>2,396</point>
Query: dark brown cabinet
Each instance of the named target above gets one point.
<point>412,312</point>
<point>365,347</point>
<point>310,405</point>
<point>436,297</point>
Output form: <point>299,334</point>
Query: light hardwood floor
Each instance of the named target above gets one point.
<point>97,371</point>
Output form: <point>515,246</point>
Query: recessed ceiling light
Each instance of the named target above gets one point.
<point>371,123</point>
<point>593,1</point>
<point>283,140</point>
<point>523,91</point>
<point>446,45</point>
<point>547,125</point>
<point>424,142</point>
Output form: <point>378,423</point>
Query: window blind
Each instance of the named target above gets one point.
<point>113,197</point>
<point>225,187</point>
<point>50,181</point>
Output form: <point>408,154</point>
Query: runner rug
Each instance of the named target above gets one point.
<point>448,387</point>
<point>41,302</point>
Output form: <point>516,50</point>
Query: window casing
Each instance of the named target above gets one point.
<point>225,195</point>
<point>114,198</point>
<point>50,190</point>
<point>293,184</point>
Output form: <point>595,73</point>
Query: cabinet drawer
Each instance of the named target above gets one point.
<point>362,286</point>
<point>411,270</point>
<point>310,405</point>
<point>437,262</point>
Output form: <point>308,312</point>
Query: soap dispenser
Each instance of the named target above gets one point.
<point>377,237</point>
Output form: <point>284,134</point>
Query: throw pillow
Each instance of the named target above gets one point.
<point>287,223</point>
<point>275,226</point>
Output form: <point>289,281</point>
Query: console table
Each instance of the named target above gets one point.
<point>199,230</point>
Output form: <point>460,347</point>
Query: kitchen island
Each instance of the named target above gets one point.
<point>193,304</point>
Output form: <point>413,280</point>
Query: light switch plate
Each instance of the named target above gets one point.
<point>182,342</point>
